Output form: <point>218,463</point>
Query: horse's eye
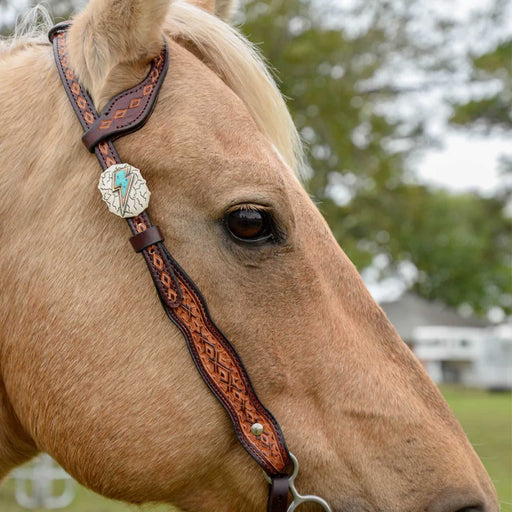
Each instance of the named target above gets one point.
<point>249,224</point>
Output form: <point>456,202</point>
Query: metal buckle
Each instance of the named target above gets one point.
<point>299,499</point>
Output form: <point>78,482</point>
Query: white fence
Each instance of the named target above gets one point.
<point>43,484</point>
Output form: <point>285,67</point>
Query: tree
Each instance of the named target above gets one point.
<point>490,114</point>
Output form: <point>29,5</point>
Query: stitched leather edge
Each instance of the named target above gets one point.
<point>129,111</point>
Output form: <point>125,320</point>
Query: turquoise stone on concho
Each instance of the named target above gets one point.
<point>124,190</point>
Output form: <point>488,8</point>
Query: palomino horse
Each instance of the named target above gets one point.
<point>92,371</point>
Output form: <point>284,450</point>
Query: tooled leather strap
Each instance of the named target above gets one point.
<point>214,356</point>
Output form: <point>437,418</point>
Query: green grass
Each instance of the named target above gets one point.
<point>486,418</point>
<point>85,501</point>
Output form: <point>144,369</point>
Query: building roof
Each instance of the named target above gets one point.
<point>411,311</point>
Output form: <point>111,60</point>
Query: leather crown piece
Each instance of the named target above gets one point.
<point>215,358</point>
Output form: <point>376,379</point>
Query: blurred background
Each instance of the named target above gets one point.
<point>405,108</point>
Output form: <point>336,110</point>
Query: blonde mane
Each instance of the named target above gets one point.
<point>239,64</point>
<point>31,28</point>
<point>236,60</point>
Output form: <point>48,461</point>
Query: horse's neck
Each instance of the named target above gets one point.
<point>24,74</point>
<point>21,104</point>
<point>38,167</point>
<point>34,128</point>
<point>15,445</point>
<point>38,139</point>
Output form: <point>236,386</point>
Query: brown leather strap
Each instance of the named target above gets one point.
<point>130,110</point>
<point>149,236</point>
<point>214,356</point>
<point>58,27</point>
<point>278,494</point>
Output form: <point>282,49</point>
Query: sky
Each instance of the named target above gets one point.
<point>464,162</point>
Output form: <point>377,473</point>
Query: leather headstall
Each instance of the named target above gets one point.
<point>215,358</point>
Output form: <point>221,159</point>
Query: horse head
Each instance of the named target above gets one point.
<point>93,373</point>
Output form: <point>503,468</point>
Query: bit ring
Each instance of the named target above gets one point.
<point>299,499</point>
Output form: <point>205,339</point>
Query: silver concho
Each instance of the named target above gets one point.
<point>124,190</point>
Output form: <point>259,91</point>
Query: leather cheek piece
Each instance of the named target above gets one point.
<point>214,356</point>
<point>150,236</point>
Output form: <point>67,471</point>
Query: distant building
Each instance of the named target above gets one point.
<point>454,348</point>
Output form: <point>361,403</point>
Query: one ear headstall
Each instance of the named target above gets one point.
<point>126,194</point>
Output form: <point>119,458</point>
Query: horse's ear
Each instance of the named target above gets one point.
<point>112,42</point>
<point>222,8</point>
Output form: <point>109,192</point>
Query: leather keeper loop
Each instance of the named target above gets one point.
<point>149,236</point>
<point>278,494</point>
<point>92,138</point>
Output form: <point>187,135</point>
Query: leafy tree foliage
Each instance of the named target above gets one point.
<point>458,243</point>
<point>323,72</point>
<point>493,111</point>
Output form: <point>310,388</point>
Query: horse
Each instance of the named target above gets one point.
<point>91,370</point>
